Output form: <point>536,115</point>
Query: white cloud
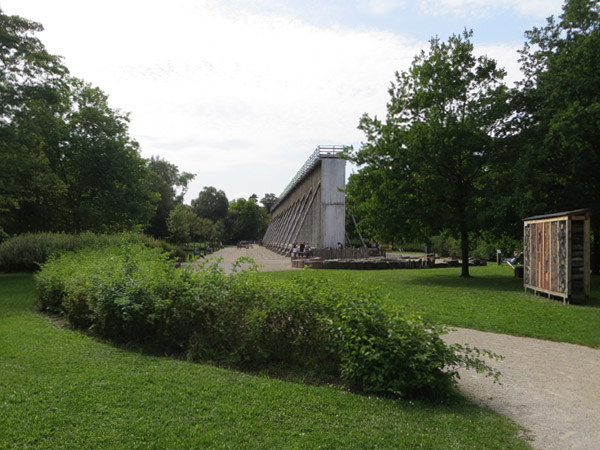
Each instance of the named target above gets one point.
<point>240,98</point>
<point>507,57</point>
<point>538,9</point>
<point>381,7</point>
<point>216,92</point>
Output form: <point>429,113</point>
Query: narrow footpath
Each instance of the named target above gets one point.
<point>551,388</point>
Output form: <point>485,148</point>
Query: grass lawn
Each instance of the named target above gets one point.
<point>492,300</point>
<point>62,389</point>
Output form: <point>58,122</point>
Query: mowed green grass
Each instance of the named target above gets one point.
<point>491,300</point>
<point>62,389</point>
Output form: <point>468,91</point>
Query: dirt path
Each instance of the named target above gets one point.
<point>551,388</point>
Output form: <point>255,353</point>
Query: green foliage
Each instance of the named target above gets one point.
<point>486,244</point>
<point>102,397</point>
<point>118,292</point>
<point>97,142</point>
<point>268,201</point>
<point>557,158</point>
<point>445,245</point>
<point>425,166</point>
<point>246,220</point>
<point>491,300</point>
<point>180,223</point>
<point>60,150</point>
<point>133,294</point>
<point>411,246</point>
<point>243,319</point>
<point>31,89</point>
<point>185,226</point>
<point>401,353</point>
<point>67,159</point>
<point>458,151</point>
<point>481,245</point>
<point>27,251</point>
<point>211,204</point>
<point>165,179</point>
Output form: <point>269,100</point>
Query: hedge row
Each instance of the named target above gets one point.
<point>27,251</point>
<point>133,294</point>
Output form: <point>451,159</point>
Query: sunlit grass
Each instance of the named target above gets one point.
<point>491,300</point>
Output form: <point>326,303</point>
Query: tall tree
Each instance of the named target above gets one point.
<point>427,164</point>
<point>181,223</point>
<point>106,177</point>
<point>32,101</point>
<point>185,226</point>
<point>211,204</point>
<point>66,158</point>
<point>246,220</point>
<point>172,185</point>
<point>268,201</point>
<point>559,116</point>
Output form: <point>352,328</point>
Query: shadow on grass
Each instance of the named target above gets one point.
<point>447,278</point>
<point>489,282</point>
<point>433,278</point>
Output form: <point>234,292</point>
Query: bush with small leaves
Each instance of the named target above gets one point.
<point>26,252</point>
<point>133,294</point>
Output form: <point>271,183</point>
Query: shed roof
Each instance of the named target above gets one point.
<point>574,212</point>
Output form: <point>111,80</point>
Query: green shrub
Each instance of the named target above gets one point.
<point>251,321</point>
<point>486,245</point>
<point>400,354</point>
<point>413,246</point>
<point>133,294</point>
<point>394,354</point>
<point>481,246</point>
<point>116,292</point>
<point>484,249</point>
<point>27,251</point>
<point>445,245</point>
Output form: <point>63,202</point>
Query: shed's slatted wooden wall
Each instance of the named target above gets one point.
<point>556,256</point>
<point>554,284</point>
<point>577,258</point>
<point>563,280</point>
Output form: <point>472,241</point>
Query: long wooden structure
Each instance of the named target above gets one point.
<point>556,255</point>
<point>312,208</point>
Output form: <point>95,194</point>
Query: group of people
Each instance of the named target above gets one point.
<point>301,250</point>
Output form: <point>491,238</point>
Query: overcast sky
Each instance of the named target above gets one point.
<point>240,92</point>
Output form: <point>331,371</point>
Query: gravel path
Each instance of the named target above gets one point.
<point>551,388</point>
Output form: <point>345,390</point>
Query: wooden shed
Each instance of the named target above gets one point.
<point>556,255</point>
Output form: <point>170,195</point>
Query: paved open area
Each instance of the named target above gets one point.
<point>266,259</point>
<point>551,388</point>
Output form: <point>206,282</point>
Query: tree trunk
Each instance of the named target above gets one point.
<point>464,247</point>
